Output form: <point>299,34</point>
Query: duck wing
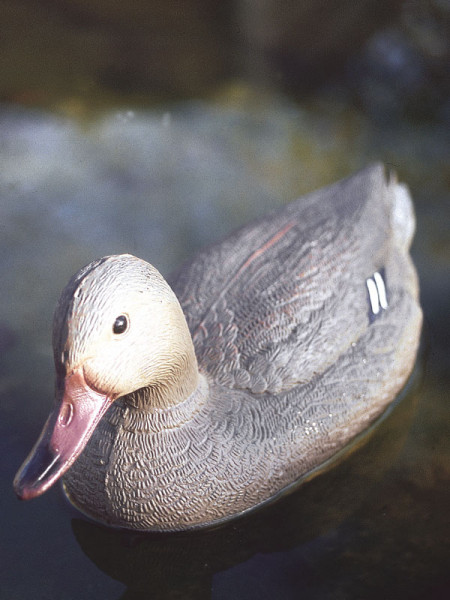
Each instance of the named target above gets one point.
<point>280,300</point>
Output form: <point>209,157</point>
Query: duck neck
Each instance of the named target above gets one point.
<point>136,413</point>
<point>179,381</point>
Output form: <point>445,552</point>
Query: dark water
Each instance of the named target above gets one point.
<point>145,128</point>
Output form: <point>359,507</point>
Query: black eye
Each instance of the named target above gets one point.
<point>120,324</point>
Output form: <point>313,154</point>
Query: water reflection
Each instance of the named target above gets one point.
<point>195,565</point>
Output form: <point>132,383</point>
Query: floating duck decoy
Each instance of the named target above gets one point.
<point>186,405</point>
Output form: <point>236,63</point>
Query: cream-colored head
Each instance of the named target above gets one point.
<point>119,321</point>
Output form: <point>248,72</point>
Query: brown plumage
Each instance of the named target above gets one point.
<point>289,338</point>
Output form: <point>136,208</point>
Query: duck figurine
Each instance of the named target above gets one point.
<point>180,406</point>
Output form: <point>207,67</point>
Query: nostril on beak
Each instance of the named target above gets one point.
<point>66,414</point>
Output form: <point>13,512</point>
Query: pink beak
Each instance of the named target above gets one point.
<point>65,434</point>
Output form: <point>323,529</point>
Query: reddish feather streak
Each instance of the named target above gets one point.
<point>273,240</point>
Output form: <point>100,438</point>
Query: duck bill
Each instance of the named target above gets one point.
<point>65,434</point>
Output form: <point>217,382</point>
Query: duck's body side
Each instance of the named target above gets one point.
<point>295,360</point>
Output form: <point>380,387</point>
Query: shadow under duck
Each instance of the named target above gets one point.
<point>185,405</point>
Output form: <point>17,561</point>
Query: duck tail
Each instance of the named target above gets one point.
<point>403,221</point>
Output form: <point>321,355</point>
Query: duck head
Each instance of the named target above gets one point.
<point>118,328</point>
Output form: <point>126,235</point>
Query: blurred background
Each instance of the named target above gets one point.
<point>155,128</point>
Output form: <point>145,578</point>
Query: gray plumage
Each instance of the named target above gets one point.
<point>297,353</point>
